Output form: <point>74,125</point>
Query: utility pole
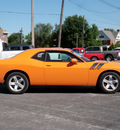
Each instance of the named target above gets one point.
<point>83,31</point>
<point>60,29</point>
<point>21,35</point>
<point>32,22</point>
<point>76,40</point>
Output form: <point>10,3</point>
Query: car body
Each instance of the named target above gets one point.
<point>54,66</point>
<point>91,56</point>
<point>5,53</point>
<point>116,49</point>
<point>108,55</point>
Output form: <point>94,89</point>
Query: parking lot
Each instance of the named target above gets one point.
<point>59,108</point>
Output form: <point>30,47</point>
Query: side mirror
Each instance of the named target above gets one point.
<point>74,61</point>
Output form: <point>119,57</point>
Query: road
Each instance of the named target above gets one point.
<point>59,108</point>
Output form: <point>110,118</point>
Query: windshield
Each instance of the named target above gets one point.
<point>80,55</point>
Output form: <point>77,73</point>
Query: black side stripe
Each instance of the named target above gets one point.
<point>100,65</point>
<point>94,65</point>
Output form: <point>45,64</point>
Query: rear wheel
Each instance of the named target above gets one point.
<point>109,58</point>
<point>109,82</point>
<point>17,83</point>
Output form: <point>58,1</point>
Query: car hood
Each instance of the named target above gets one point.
<point>107,62</point>
<point>106,65</point>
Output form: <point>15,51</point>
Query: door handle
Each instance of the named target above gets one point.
<point>48,65</point>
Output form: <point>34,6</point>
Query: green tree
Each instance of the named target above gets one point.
<point>92,34</point>
<point>42,34</point>
<point>110,29</point>
<point>94,42</point>
<point>28,39</point>
<point>112,47</point>
<point>54,36</point>
<point>15,38</point>
<point>89,38</point>
<point>117,44</point>
<point>71,26</point>
<point>95,31</point>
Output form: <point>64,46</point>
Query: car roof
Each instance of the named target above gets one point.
<point>50,49</point>
<point>19,45</point>
<point>31,52</point>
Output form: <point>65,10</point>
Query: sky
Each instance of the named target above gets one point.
<point>16,14</point>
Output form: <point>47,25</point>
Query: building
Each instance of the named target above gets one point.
<point>109,37</point>
<point>4,35</point>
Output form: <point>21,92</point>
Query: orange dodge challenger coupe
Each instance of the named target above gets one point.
<point>51,66</point>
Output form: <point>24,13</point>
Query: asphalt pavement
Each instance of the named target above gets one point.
<point>59,108</point>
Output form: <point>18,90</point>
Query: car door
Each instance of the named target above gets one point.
<point>59,70</point>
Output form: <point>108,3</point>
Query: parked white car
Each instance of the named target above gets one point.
<point>7,54</point>
<point>116,49</point>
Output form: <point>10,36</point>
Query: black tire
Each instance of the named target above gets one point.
<point>94,58</point>
<point>109,58</point>
<point>17,83</point>
<point>109,82</point>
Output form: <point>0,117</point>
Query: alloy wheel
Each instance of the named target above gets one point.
<point>110,83</point>
<point>17,83</point>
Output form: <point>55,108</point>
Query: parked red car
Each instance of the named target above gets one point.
<point>91,56</point>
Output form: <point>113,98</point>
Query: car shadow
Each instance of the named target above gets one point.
<point>62,89</point>
<point>56,89</point>
<point>3,89</point>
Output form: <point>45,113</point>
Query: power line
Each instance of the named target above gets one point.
<point>12,12</point>
<point>81,5</point>
<point>89,10</point>
<point>104,22</point>
<point>46,14</point>
<point>109,4</point>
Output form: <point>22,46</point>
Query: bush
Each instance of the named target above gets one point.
<point>117,44</point>
<point>111,47</point>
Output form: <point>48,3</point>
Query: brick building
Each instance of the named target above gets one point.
<point>4,35</point>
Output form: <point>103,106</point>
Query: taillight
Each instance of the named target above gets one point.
<point>117,53</point>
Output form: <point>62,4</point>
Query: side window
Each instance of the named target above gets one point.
<point>105,49</point>
<point>96,49</point>
<point>89,49</point>
<point>25,47</point>
<point>39,56</point>
<point>59,56</point>
<point>15,48</point>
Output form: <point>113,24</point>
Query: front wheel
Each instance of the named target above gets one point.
<point>94,58</point>
<point>109,82</point>
<point>17,83</point>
